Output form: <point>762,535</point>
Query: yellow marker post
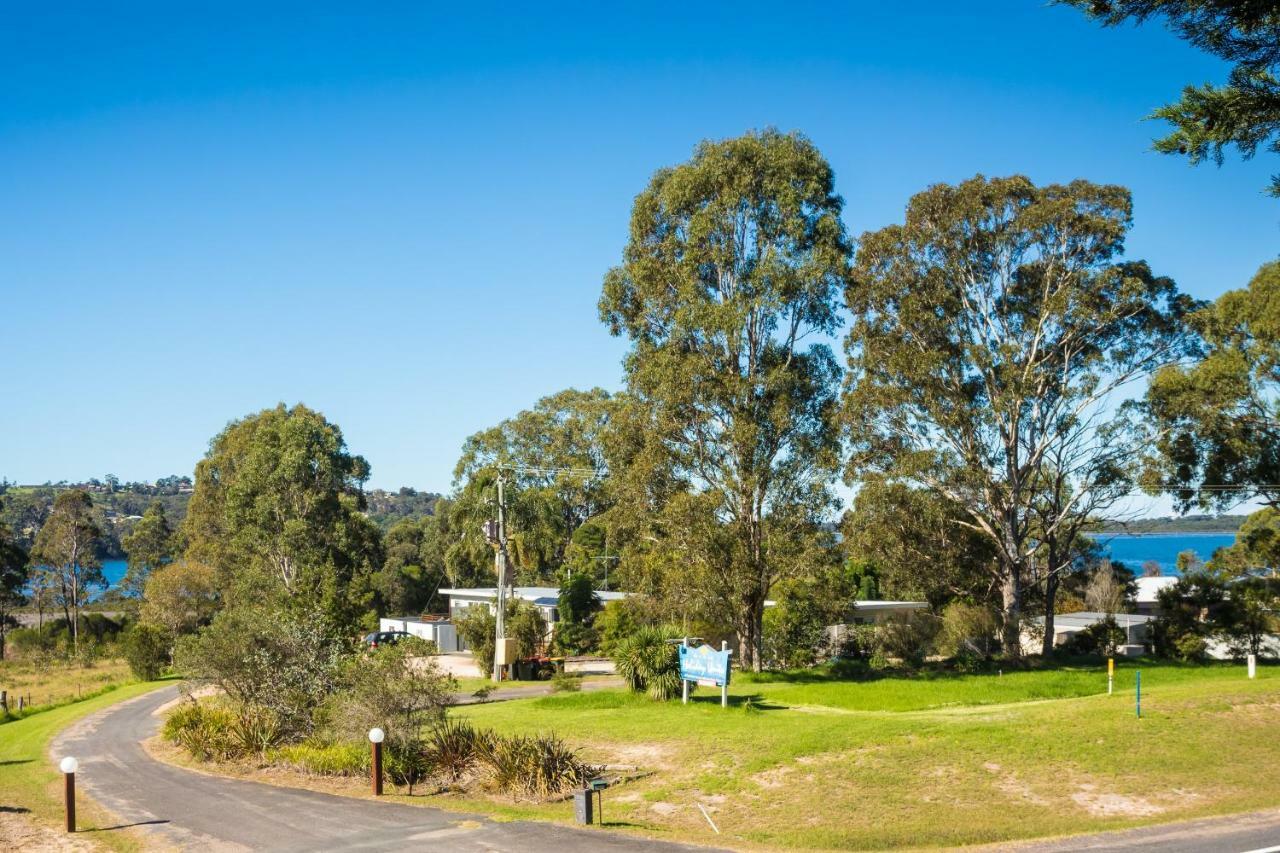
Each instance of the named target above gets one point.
<point>1111,674</point>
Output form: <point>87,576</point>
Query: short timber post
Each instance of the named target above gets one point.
<point>376,737</point>
<point>68,766</point>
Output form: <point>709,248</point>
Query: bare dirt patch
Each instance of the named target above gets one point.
<point>1104,804</point>
<point>20,832</point>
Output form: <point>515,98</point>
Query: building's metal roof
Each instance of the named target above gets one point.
<point>1085,618</point>
<point>543,596</point>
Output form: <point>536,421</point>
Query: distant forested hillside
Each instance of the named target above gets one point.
<point>24,508</point>
<point>1177,524</point>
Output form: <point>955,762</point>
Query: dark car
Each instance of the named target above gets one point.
<point>384,638</point>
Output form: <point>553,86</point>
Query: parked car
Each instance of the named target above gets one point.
<point>384,638</point>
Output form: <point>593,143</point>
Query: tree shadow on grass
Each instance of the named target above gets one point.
<point>14,810</point>
<point>746,702</point>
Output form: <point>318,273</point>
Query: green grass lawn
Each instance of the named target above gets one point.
<point>923,761</point>
<point>28,778</point>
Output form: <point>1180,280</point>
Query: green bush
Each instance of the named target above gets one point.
<point>908,636</point>
<point>648,663</point>
<point>538,766</point>
<point>968,631</point>
<point>146,648</point>
<point>564,682</point>
<point>205,731</point>
<point>451,750</point>
<point>326,759</point>
<point>1100,638</point>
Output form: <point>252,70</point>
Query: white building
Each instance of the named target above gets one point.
<point>1146,600</point>
<point>440,629</point>
<point>1136,627</point>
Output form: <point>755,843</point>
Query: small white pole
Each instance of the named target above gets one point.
<point>1253,666</point>
<point>684,685</point>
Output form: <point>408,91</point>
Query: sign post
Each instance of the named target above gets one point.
<point>1111,674</point>
<point>706,666</point>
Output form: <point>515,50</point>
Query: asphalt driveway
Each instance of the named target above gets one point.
<point>190,810</point>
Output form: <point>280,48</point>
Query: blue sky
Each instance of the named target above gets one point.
<point>403,219</point>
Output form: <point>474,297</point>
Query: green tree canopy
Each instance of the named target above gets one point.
<point>992,334</point>
<point>1218,437</point>
<point>728,285</point>
<point>277,510</point>
<point>1245,112</point>
<point>922,544</point>
<point>66,552</point>
<point>552,457</point>
<point>13,581</point>
<point>149,546</point>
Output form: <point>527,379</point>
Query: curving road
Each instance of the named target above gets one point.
<point>185,809</point>
<point>191,810</point>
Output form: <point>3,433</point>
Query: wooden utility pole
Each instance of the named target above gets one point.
<point>500,569</point>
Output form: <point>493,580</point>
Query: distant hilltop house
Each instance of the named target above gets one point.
<point>440,629</point>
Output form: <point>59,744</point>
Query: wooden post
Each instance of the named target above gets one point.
<point>377,769</point>
<point>70,792</point>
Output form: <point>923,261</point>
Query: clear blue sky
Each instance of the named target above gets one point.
<point>403,219</point>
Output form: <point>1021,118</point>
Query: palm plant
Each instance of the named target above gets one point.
<point>648,663</point>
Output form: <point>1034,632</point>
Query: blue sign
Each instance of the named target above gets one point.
<point>704,665</point>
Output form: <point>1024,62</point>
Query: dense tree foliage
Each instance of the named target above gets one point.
<point>13,582</point>
<point>991,332</point>
<point>921,543</point>
<point>553,460</point>
<point>66,555</point>
<point>278,512</point>
<point>1218,419</point>
<point>149,546</point>
<point>729,280</point>
<point>1245,112</point>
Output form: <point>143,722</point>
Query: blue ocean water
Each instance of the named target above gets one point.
<point>1135,549</point>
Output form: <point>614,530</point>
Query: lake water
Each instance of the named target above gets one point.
<point>1163,548</point>
<point>1132,550</point>
<point>114,570</point>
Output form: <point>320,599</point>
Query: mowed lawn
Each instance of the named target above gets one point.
<point>31,784</point>
<point>920,762</point>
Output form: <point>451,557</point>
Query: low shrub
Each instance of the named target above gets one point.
<point>565,682</point>
<point>205,731</point>
<point>908,637</point>
<point>451,750</point>
<point>325,759</point>
<point>537,766</point>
